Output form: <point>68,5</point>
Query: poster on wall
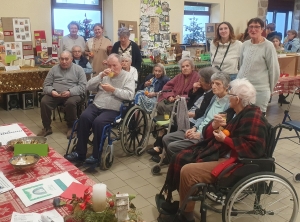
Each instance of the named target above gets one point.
<point>14,48</point>
<point>21,28</point>
<point>155,26</point>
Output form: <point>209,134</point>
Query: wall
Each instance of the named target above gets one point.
<point>238,14</point>
<point>39,12</point>
<point>233,11</point>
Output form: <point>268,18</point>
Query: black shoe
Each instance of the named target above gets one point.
<point>157,158</point>
<point>171,208</point>
<point>91,160</point>
<point>74,157</point>
<point>282,100</point>
<point>153,152</point>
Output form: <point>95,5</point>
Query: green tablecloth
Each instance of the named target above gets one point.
<point>171,69</point>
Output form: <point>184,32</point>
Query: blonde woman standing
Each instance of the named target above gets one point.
<point>97,49</point>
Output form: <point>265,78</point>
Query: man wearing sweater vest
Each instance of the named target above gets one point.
<point>80,60</point>
<point>113,85</point>
<point>64,84</point>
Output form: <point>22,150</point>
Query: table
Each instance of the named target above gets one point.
<point>171,69</point>
<point>289,64</point>
<point>27,79</point>
<point>48,166</point>
<point>287,84</point>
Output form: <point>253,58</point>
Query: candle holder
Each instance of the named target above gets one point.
<point>117,207</point>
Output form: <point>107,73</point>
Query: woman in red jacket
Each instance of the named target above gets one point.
<point>179,86</point>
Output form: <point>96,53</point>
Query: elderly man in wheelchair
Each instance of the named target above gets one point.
<point>113,85</point>
<point>216,162</point>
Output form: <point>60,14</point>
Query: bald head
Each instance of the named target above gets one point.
<point>65,59</point>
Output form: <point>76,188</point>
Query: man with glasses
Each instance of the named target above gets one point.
<point>80,60</point>
<point>64,84</point>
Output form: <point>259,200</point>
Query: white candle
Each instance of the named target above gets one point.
<point>99,197</point>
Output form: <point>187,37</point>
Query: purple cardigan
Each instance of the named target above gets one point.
<point>178,87</point>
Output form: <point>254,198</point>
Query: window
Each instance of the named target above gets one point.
<point>282,19</point>
<point>194,19</point>
<point>65,11</point>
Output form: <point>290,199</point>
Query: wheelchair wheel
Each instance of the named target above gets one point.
<point>138,151</point>
<point>105,162</point>
<point>134,129</point>
<point>155,170</point>
<point>270,197</point>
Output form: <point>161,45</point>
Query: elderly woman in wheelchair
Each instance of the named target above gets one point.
<point>146,95</point>
<point>113,85</point>
<point>204,161</point>
<point>176,141</point>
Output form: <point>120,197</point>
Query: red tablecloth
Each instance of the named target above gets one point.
<point>48,166</point>
<point>287,84</point>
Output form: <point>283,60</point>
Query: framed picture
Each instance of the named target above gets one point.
<point>175,37</point>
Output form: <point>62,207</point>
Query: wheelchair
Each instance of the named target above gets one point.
<point>287,120</point>
<point>136,130</point>
<point>252,192</point>
<point>106,155</point>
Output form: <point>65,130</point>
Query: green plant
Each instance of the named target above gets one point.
<point>196,34</point>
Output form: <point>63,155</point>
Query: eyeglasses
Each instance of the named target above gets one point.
<point>231,94</point>
<point>254,27</point>
<point>76,51</point>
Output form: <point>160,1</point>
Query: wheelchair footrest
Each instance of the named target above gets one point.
<point>159,200</point>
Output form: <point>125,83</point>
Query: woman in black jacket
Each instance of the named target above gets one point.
<point>126,46</point>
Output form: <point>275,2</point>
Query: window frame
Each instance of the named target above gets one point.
<point>197,13</point>
<point>190,12</point>
<point>55,5</point>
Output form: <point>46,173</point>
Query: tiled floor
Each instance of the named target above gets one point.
<point>132,174</point>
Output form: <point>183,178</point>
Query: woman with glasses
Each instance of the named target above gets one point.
<point>97,49</point>
<point>291,43</point>
<point>71,39</point>
<point>259,63</point>
<point>225,50</point>
<point>203,162</point>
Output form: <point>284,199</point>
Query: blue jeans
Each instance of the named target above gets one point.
<point>94,118</point>
<point>232,76</point>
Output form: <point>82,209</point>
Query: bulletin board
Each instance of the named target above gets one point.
<point>132,26</point>
<point>17,32</point>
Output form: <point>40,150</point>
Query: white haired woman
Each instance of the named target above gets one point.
<point>203,162</point>
<point>126,46</point>
<point>126,65</point>
<point>147,96</point>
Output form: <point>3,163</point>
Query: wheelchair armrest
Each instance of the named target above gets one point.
<point>226,170</point>
<point>259,161</point>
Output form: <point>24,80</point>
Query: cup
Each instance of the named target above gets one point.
<point>224,115</point>
<point>111,74</point>
<point>166,116</point>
